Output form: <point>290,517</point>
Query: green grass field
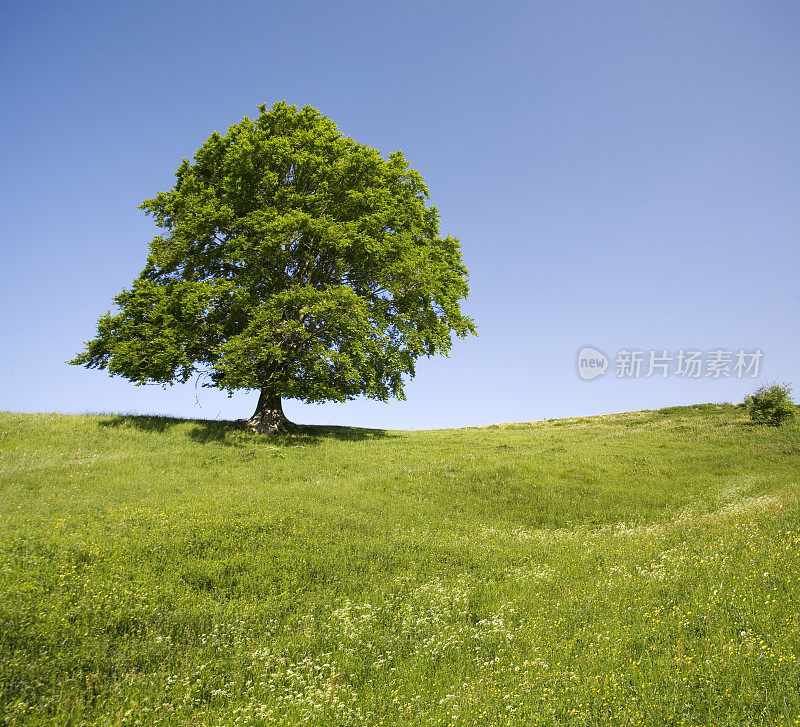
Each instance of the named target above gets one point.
<point>638,568</point>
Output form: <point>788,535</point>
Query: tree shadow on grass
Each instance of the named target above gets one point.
<point>142,422</point>
<point>234,433</point>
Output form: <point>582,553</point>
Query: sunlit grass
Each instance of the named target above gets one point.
<point>638,568</point>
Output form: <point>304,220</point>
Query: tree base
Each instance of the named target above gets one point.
<point>268,417</point>
<point>263,425</point>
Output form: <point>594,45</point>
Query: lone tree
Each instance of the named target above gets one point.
<point>294,261</point>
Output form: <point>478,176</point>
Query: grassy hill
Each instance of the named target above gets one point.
<point>639,568</point>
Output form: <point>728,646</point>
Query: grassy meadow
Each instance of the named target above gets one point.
<point>631,569</point>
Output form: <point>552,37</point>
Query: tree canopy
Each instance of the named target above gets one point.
<point>294,261</point>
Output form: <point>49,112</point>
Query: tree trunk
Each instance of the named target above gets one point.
<point>268,417</point>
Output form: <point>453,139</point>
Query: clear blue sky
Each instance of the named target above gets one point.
<point>624,175</point>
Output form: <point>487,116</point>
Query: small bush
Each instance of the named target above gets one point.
<point>771,405</point>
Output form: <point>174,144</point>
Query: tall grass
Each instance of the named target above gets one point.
<point>639,568</point>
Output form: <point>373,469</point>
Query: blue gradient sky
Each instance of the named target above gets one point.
<point>620,174</point>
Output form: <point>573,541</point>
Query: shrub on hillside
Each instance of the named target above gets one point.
<point>771,405</point>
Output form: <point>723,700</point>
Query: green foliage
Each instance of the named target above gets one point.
<point>630,569</point>
<point>293,259</point>
<point>771,405</point>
